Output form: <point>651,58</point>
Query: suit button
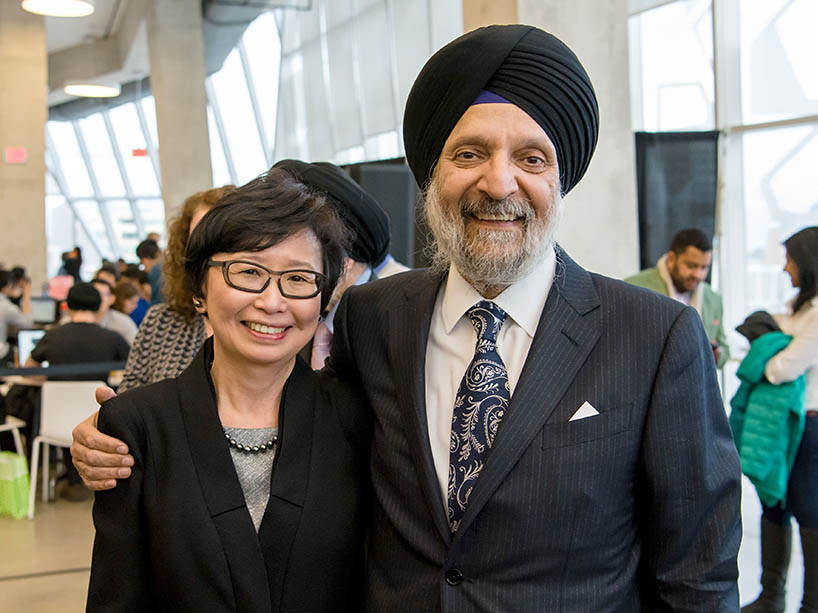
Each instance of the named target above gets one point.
<point>453,577</point>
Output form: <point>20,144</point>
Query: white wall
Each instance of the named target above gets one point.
<point>599,229</point>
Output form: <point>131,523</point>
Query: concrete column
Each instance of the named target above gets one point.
<point>478,13</point>
<point>599,229</point>
<point>23,115</point>
<point>178,84</point>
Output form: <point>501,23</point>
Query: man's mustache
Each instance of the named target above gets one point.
<point>514,208</point>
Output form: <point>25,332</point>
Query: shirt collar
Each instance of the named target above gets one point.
<point>523,301</point>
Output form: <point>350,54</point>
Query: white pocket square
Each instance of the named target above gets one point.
<point>586,410</point>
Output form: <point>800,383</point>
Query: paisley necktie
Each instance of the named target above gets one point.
<point>479,406</point>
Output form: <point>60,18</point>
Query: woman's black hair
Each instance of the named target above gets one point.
<point>802,247</point>
<point>260,214</point>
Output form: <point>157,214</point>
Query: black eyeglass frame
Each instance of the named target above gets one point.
<point>320,279</point>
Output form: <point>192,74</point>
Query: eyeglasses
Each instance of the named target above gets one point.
<point>255,278</point>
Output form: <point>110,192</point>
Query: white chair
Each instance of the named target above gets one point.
<point>63,405</point>
<point>13,425</point>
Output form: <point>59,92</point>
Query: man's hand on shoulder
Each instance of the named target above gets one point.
<point>99,459</point>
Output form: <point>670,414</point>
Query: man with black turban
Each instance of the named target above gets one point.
<point>583,462</point>
<point>546,438</point>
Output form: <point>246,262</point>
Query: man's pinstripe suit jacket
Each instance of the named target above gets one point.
<point>637,508</point>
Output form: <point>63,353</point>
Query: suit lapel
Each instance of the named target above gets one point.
<point>220,485</point>
<point>288,486</point>
<point>409,330</point>
<point>566,334</point>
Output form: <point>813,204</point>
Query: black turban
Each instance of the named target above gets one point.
<point>530,68</point>
<point>361,214</point>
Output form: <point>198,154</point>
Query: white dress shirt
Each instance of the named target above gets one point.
<point>452,340</point>
<point>11,315</point>
<point>801,355</point>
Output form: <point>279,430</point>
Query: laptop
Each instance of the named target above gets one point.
<point>43,310</point>
<point>26,341</point>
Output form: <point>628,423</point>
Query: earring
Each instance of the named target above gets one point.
<point>197,303</point>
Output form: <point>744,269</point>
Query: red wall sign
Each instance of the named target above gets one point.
<point>15,155</point>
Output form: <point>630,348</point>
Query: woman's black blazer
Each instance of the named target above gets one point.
<point>177,535</point>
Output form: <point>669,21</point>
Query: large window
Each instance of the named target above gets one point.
<point>102,184</point>
<point>761,93</point>
<point>672,66</point>
<point>327,83</point>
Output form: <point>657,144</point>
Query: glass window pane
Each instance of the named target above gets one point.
<point>51,186</point>
<point>239,121</point>
<point>263,48</point>
<point>59,231</point>
<point>673,63</point>
<point>778,51</point>
<point>291,131</point>
<point>353,155</point>
<point>412,44</point>
<point>316,104</point>
<point>132,144</point>
<point>148,105</point>
<point>101,154</point>
<point>372,37</point>
<point>67,155</point>
<point>153,215</point>
<point>781,197</point>
<point>88,210</point>
<point>345,108</point>
<point>221,174</point>
<point>125,231</point>
<point>382,146</point>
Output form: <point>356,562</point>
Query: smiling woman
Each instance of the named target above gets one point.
<point>229,490</point>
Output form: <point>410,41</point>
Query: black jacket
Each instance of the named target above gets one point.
<point>177,535</point>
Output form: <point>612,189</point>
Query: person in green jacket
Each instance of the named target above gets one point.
<point>681,274</point>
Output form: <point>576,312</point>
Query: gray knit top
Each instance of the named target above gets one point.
<point>254,469</point>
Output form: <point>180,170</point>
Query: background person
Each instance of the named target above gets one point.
<point>80,340</point>
<point>110,318</point>
<point>172,332</point>
<point>17,287</point>
<point>150,257</point>
<point>799,358</point>
<point>370,228</point>
<point>107,274</point>
<point>139,280</point>
<point>209,521</point>
<point>680,274</point>
<point>11,314</point>
<point>126,298</point>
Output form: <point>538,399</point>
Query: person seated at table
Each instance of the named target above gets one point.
<point>108,273</point>
<point>18,287</point>
<point>81,340</point>
<point>11,314</point>
<point>142,284</point>
<point>108,317</point>
<point>250,486</point>
<point>125,298</point>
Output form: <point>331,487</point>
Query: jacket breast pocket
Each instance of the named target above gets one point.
<point>607,424</point>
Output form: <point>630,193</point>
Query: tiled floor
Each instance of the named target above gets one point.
<point>44,562</point>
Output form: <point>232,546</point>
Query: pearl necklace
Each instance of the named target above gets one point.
<point>251,448</point>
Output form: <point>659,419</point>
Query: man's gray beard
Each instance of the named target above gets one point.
<point>510,258</point>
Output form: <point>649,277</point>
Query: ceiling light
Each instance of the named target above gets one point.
<point>88,89</point>
<point>59,8</point>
